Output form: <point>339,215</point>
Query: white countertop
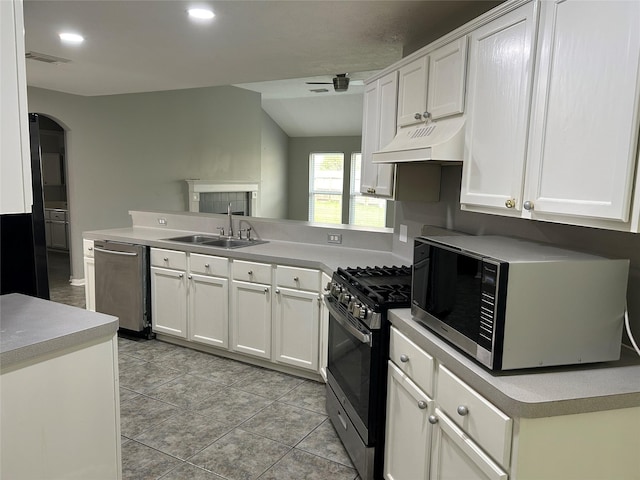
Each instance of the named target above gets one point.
<point>31,327</point>
<point>541,392</point>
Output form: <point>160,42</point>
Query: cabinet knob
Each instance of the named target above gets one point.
<point>433,419</point>
<point>189,277</point>
<point>462,410</point>
<point>404,358</point>
<point>181,275</point>
<point>426,115</point>
<point>90,248</point>
<point>250,272</point>
<point>417,116</point>
<point>296,279</point>
<point>422,404</point>
<point>528,205</point>
<point>277,291</point>
<point>166,259</point>
<point>266,290</point>
<point>510,203</point>
<point>206,265</point>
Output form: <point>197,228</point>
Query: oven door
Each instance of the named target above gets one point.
<point>351,348</point>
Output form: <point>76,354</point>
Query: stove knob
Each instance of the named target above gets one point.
<point>364,311</point>
<point>345,298</point>
<point>354,308</point>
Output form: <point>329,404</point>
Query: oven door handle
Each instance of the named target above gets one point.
<point>363,337</point>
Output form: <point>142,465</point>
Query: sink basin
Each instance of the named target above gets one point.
<point>213,241</point>
<point>232,243</point>
<point>192,239</point>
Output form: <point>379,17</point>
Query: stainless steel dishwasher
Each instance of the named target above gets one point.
<point>122,284</point>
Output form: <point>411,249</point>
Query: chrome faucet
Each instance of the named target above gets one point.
<point>230,215</point>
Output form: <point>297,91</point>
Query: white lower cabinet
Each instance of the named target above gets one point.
<point>408,437</point>
<point>169,301</point>
<point>296,328</point>
<point>455,456</point>
<point>209,310</point>
<point>251,318</point>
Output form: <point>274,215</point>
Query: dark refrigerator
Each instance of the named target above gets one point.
<point>23,256</point>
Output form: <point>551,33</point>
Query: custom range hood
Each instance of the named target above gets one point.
<point>438,141</point>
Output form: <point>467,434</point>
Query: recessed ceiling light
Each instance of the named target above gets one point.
<point>74,38</point>
<point>201,13</point>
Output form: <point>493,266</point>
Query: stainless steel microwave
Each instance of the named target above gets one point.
<point>514,304</point>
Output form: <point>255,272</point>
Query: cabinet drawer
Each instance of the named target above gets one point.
<point>87,247</point>
<point>251,272</point>
<point>482,421</point>
<point>168,259</point>
<point>208,265</point>
<point>412,360</point>
<point>58,215</point>
<point>298,278</point>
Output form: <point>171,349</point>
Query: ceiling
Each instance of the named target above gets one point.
<point>149,45</point>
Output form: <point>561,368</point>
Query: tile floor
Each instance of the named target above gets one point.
<point>188,415</point>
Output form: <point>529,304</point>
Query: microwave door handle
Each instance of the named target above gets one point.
<point>363,337</point>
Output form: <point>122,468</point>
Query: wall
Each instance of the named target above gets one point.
<point>447,213</point>
<point>299,150</point>
<point>273,171</point>
<point>133,151</point>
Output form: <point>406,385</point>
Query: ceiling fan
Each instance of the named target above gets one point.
<point>340,82</point>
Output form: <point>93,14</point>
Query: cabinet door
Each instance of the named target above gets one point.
<point>47,232</point>
<point>498,99</point>
<point>323,343</point>
<point>59,235</point>
<point>169,301</point>
<point>251,318</point>
<point>455,456</point>
<point>585,121</point>
<point>379,128</point>
<point>447,73</point>
<point>16,194</point>
<point>412,91</point>
<point>296,328</point>
<point>90,283</point>
<point>406,455</point>
<point>209,310</point>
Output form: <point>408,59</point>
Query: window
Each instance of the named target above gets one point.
<point>325,187</point>
<point>363,210</point>
<point>326,180</point>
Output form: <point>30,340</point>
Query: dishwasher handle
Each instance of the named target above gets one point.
<point>115,252</point>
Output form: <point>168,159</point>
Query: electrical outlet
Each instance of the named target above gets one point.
<point>162,221</point>
<point>334,238</point>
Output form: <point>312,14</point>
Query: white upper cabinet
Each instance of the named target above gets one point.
<point>16,195</point>
<point>379,128</point>
<point>584,130</point>
<point>447,72</point>
<point>412,92</point>
<point>498,99</point>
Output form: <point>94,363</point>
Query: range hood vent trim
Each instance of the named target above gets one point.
<point>439,141</point>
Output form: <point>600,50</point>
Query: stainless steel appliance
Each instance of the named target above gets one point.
<point>122,284</point>
<point>512,303</point>
<point>358,346</point>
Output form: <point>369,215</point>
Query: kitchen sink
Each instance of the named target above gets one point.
<point>213,241</point>
<point>232,243</point>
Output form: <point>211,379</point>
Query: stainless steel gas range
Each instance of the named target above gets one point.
<point>358,351</point>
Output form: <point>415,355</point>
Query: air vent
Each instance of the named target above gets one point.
<point>43,57</point>
<point>422,131</point>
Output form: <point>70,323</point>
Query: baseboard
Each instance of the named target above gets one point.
<point>77,282</point>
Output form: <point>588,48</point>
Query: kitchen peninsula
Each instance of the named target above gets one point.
<point>59,391</point>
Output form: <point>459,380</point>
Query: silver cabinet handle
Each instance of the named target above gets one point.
<point>189,277</point>
<point>115,252</point>
<point>433,419</point>
<point>528,205</point>
<point>404,358</point>
<point>181,275</point>
<point>462,410</point>
<point>206,265</point>
<point>296,279</point>
<point>422,404</point>
<point>250,272</point>
<point>278,291</point>
<point>266,290</point>
<point>166,259</point>
<point>426,115</point>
